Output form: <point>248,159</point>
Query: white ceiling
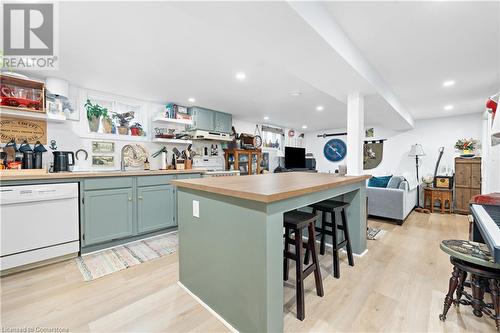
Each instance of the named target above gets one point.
<point>416,46</point>
<point>162,52</point>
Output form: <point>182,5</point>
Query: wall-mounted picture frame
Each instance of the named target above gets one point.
<point>103,147</point>
<point>103,161</point>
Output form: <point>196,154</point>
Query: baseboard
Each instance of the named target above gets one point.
<point>212,311</point>
<point>38,264</point>
<point>131,241</point>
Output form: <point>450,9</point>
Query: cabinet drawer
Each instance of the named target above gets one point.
<point>189,176</point>
<point>154,180</point>
<point>107,183</point>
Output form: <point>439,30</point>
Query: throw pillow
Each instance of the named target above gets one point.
<point>395,181</point>
<point>379,181</point>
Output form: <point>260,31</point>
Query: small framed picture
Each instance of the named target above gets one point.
<point>103,161</point>
<point>103,147</point>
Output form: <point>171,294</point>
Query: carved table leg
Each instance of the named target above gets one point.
<point>460,288</point>
<point>495,296</point>
<point>477,295</point>
<point>451,290</point>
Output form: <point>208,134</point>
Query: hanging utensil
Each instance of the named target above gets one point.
<point>176,152</point>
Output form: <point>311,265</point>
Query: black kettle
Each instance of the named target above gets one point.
<point>62,161</point>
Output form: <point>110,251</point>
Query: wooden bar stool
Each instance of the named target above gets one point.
<point>475,259</point>
<point>332,207</point>
<point>295,222</point>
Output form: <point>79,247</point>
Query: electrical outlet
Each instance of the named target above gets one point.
<point>196,208</point>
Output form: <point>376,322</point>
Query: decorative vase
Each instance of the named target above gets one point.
<point>467,153</point>
<point>122,130</point>
<point>134,131</point>
<point>107,125</point>
<point>94,124</point>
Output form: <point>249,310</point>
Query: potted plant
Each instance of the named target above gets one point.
<point>107,122</point>
<point>466,146</point>
<point>136,129</point>
<point>94,113</point>
<point>124,120</point>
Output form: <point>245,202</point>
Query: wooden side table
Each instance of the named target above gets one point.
<point>442,194</point>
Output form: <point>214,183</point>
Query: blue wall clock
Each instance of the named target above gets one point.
<point>335,150</point>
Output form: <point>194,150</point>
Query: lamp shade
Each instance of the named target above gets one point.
<point>57,86</point>
<point>416,150</point>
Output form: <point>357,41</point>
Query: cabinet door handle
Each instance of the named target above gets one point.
<point>140,198</point>
<point>129,199</point>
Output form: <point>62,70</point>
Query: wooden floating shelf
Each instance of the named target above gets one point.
<point>34,115</point>
<point>173,121</point>
<point>179,141</point>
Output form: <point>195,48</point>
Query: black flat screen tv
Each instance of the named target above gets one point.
<point>295,158</point>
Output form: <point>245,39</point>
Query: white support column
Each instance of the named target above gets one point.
<point>355,133</point>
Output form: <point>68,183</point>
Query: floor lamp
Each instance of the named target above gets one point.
<point>417,151</point>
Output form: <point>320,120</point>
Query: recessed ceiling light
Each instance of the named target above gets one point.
<point>304,126</point>
<point>448,107</point>
<point>448,83</point>
<point>266,118</point>
<point>240,76</point>
<point>295,93</point>
<point>191,100</point>
<point>320,108</point>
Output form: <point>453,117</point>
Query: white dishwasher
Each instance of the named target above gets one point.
<point>38,222</point>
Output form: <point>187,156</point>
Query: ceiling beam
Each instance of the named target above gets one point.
<point>319,18</point>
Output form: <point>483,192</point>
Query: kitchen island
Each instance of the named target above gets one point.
<point>231,238</point>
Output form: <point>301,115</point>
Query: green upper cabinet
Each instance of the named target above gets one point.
<point>223,122</point>
<point>210,120</point>
<point>155,208</point>
<point>202,118</point>
<point>108,215</point>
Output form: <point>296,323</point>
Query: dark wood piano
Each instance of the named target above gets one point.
<point>486,229</point>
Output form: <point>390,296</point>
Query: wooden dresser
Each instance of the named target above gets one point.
<point>467,182</point>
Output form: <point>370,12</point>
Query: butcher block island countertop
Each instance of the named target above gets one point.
<point>270,187</point>
<point>97,174</point>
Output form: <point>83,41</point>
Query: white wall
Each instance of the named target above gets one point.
<point>71,136</point>
<point>431,133</point>
<point>491,158</point>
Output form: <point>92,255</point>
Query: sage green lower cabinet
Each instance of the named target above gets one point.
<point>108,215</point>
<point>155,208</point>
<point>116,210</point>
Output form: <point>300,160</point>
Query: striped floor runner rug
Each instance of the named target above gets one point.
<point>99,264</point>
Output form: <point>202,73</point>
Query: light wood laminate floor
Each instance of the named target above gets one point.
<point>399,285</point>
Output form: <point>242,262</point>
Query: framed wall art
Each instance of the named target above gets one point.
<point>103,161</point>
<point>103,147</point>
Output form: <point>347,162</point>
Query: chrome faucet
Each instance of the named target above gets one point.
<point>122,161</point>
